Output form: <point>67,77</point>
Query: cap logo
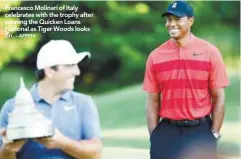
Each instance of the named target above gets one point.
<point>174,5</point>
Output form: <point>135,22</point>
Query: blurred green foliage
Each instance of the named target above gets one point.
<point>12,49</point>
<point>122,35</point>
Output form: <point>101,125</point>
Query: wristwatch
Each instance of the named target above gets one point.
<point>216,134</point>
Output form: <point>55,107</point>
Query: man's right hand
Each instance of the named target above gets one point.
<point>152,109</point>
<point>10,146</point>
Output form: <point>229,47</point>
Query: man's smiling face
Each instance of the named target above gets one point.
<point>178,27</point>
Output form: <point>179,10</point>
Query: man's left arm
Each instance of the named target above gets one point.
<point>90,146</point>
<point>218,98</point>
<point>218,80</point>
<point>83,149</point>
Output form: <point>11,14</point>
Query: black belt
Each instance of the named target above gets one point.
<point>194,122</point>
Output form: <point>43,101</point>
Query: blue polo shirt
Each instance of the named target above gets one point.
<point>73,114</point>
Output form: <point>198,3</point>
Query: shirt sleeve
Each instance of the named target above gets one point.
<point>90,120</point>
<point>6,109</point>
<point>150,83</point>
<point>218,77</point>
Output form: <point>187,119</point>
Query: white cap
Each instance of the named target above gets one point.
<point>58,52</point>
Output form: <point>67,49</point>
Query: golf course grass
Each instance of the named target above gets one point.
<point>123,121</point>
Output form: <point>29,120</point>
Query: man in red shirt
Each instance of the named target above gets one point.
<point>185,79</point>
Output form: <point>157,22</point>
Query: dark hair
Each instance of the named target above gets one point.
<point>40,74</point>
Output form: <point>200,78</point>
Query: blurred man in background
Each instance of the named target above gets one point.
<point>73,114</point>
<point>185,79</point>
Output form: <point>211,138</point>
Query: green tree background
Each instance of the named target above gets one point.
<point>122,36</point>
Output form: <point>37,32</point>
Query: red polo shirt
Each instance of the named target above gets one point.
<point>184,76</point>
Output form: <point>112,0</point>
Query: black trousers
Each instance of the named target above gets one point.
<point>169,141</point>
